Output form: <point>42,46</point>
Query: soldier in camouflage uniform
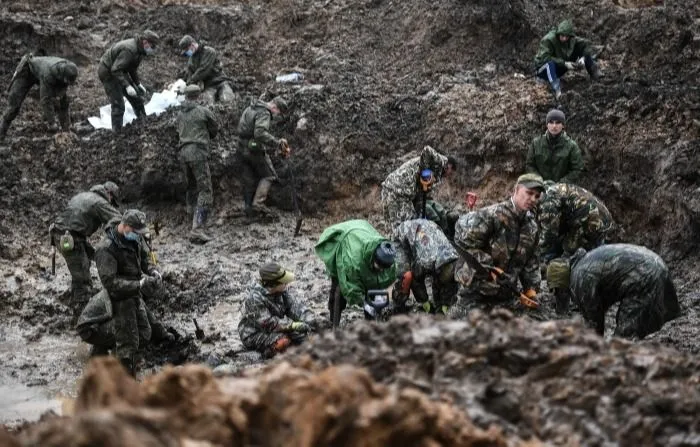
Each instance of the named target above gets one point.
<point>555,156</point>
<point>570,217</point>
<point>255,139</point>
<point>54,75</point>
<point>403,193</point>
<point>126,271</point>
<point>272,317</point>
<point>86,213</point>
<point>423,250</point>
<point>204,66</point>
<point>118,72</point>
<point>634,276</point>
<point>196,126</point>
<point>503,238</point>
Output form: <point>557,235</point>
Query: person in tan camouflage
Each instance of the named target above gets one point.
<point>54,75</point>
<point>273,318</point>
<point>423,250</point>
<point>503,238</point>
<point>406,191</point>
<point>571,217</point>
<point>203,65</point>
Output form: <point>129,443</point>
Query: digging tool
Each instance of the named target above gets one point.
<point>53,260</point>
<point>286,151</point>
<point>198,332</point>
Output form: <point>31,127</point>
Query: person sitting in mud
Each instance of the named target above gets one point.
<point>560,51</point>
<point>406,191</point>
<point>358,259</point>
<point>273,319</point>
<point>570,217</point>
<point>257,171</point>
<point>555,156</point>
<point>127,273</point>
<point>118,72</point>
<point>203,65</point>
<point>54,75</point>
<point>499,246</point>
<point>632,275</point>
<point>423,250</point>
<point>85,213</point>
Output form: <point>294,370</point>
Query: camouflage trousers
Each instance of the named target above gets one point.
<point>221,92</point>
<point>199,189</point>
<point>116,94</point>
<point>264,341</point>
<point>78,261</point>
<point>397,209</point>
<point>255,166</point>
<point>469,300</point>
<point>24,81</point>
<point>131,327</point>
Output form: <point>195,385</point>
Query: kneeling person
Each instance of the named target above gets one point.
<point>272,318</point>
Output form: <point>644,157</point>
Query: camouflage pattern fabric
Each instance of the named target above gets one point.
<point>266,319</point>
<point>118,69</point>
<point>199,189</point>
<point>78,262</point>
<point>571,217</point>
<point>196,126</point>
<point>632,275</point>
<point>204,66</point>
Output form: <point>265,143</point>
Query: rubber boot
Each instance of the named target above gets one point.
<point>117,121</point>
<point>248,206</point>
<point>4,125</point>
<point>562,301</point>
<point>199,220</point>
<point>261,196</point>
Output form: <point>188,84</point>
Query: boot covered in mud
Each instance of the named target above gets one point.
<point>117,122</point>
<point>259,207</point>
<point>199,220</point>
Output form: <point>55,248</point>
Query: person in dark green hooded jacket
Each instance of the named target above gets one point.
<point>560,51</point>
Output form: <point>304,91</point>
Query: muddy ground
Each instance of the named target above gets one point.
<point>382,79</point>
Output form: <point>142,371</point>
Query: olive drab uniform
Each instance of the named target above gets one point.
<point>556,158</point>
<point>85,213</point>
<point>402,195</point>
<point>255,139</point>
<point>54,75</point>
<point>424,250</point>
<point>267,317</point>
<point>497,236</point>
<point>571,217</point>
<point>204,66</point>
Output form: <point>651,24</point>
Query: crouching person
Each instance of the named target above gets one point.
<point>272,318</point>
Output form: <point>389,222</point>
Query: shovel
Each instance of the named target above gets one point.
<point>198,332</point>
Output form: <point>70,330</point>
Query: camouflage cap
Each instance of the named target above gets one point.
<point>272,273</point>
<point>192,90</point>
<point>555,115</point>
<point>135,219</point>
<point>281,103</point>
<point>151,37</point>
<point>113,189</point>
<point>185,42</point>
<point>531,181</point>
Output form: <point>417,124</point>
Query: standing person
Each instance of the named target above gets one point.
<point>196,126</point>
<point>358,259</point>
<point>555,156</point>
<point>204,66</point>
<point>85,213</point>
<point>118,72</point>
<point>125,270</point>
<point>560,51</point>
<point>54,75</point>
<point>255,139</point>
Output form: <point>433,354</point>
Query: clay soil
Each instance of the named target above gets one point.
<point>381,80</point>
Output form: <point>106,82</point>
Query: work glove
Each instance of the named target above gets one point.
<point>299,326</point>
<point>148,284</point>
<point>581,62</point>
<point>130,91</point>
<point>285,150</point>
<point>571,65</point>
<point>142,90</point>
<point>156,274</point>
<point>529,299</point>
<point>496,273</point>
<point>281,344</point>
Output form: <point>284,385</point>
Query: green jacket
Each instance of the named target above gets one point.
<point>123,60</point>
<point>196,126</point>
<point>204,66</point>
<point>87,212</point>
<point>552,49</point>
<point>255,125</point>
<point>347,250</point>
<point>50,71</point>
<point>555,158</point>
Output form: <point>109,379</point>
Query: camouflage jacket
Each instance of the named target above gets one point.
<point>266,317</point>
<point>98,310</point>
<point>555,158</point>
<point>121,263</point>
<point>86,213</point>
<point>552,49</point>
<point>50,71</point>
<point>196,126</point>
<point>204,66</point>
<point>255,125</point>
<point>123,59</point>
<point>404,182</point>
<point>422,247</point>
<point>570,209</point>
<point>500,236</point>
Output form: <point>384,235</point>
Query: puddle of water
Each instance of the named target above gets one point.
<point>21,403</point>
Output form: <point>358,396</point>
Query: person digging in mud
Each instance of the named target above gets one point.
<point>503,238</point>
<point>560,51</point>
<point>422,250</point>
<point>257,172</point>
<point>555,156</point>
<point>273,318</point>
<point>126,272</point>
<point>85,213</point>
<point>54,75</point>
<point>570,217</point>
<point>632,275</point>
<point>406,191</point>
<point>118,72</point>
<point>358,259</point>
<point>196,126</point>
<point>445,218</point>
<point>204,66</point>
